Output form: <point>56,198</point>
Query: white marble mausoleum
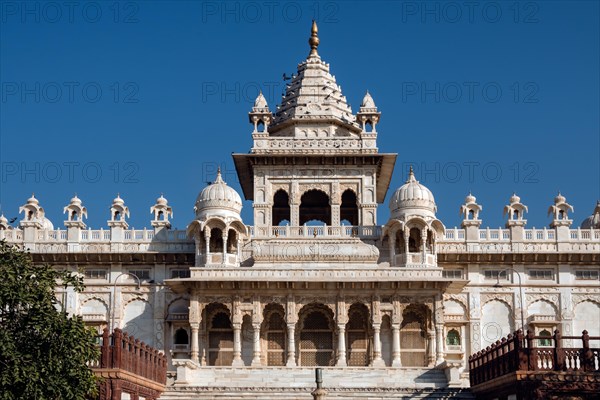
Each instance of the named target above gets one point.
<point>387,308</point>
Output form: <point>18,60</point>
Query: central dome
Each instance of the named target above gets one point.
<point>218,196</point>
<point>412,196</point>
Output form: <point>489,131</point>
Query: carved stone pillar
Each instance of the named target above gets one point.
<point>207,244</point>
<point>406,237</point>
<point>256,345</point>
<point>291,318</point>
<point>377,359</point>
<point>225,235</point>
<point>335,215</point>
<point>341,352</point>
<point>237,345</point>
<point>194,353</point>
<point>430,348</point>
<point>396,361</point>
<point>294,214</point>
<point>439,344</point>
<point>291,345</point>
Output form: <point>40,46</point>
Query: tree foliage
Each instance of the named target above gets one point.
<point>44,352</point>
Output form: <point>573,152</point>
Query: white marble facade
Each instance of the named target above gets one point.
<point>317,280</point>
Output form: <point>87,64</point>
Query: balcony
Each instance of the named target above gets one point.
<point>415,260</point>
<point>298,232</point>
<point>215,260</point>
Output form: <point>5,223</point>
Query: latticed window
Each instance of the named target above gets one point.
<point>220,341</point>
<point>413,341</point>
<point>316,340</point>
<point>453,338</point>
<point>357,338</point>
<point>545,342</point>
<point>276,340</point>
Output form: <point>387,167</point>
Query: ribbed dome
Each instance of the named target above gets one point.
<point>367,101</point>
<point>470,199</point>
<point>218,196</point>
<point>412,195</point>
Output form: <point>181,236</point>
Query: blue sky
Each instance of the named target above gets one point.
<point>145,97</point>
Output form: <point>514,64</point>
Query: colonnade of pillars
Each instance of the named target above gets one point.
<point>434,351</point>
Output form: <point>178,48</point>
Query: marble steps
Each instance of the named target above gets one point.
<point>194,393</point>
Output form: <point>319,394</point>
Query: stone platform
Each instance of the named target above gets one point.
<point>195,382</point>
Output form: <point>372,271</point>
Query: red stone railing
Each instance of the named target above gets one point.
<point>121,351</point>
<point>520,352</point>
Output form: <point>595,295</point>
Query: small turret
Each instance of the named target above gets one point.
<point>75,212</point>
<point>559,210</point>
<point>162,211</point>
<point>260,114</point>
<point>118,213</point>
<point>515,211</point>
<point>368,115</point>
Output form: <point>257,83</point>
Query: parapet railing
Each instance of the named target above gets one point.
<point>528,352</point>
<point>122,351</point>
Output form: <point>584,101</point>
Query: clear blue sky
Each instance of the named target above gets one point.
<point>146,97</point>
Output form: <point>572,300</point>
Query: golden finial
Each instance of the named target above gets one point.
<point>314,39</point>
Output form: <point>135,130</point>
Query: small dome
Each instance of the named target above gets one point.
<point>515,199</point>
<point>260,101</point>
<point>470,199</point>
<point>593,221</point>
<point>412,195</point>
<point>76,200</point>
<point>161,201</point>
<point>367,101</point>
<point>118,200</point>
<point>3,220</point>
<point>559,199</point>
<point>218,196</point>
<point>32,199</point>
<point>47,224</point>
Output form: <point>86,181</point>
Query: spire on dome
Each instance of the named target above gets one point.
<point>411,175</point>
<point>313,41</point>
<point>219,179</point>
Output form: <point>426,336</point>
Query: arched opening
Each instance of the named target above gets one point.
<point>274,334</point>
<point>561,214</point>
<point>414,241</point>
<point>117,214</point>
<point>216,241</point>
<point>453,338</point>
<point>181,337</point>
<point>471,214</point>
<point>399,242</point>
<point>73,215</point>
<point>281,207</point>
<point>260,126</point>
<point>316,337</point>
<point>247,340</point>
<point>545,342</point>
<point>220,336</point>
<point>516,214</point>
<point>429,246</point>
<point>29,215</point>
<point>314,206</point>
<point>349,207</point>
<point>161,215</point>
<point>357,333</point>
<point>413,338</point>
<point>386,340</point>
<point>232,242</point>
